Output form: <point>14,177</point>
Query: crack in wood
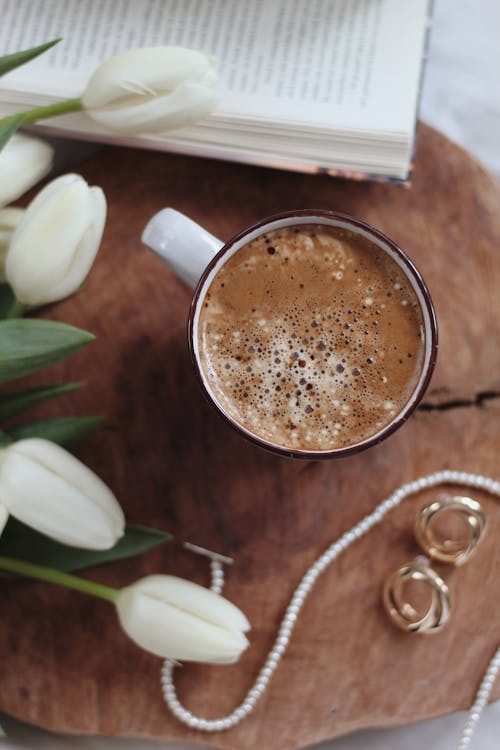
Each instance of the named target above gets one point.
<point>479,400</point>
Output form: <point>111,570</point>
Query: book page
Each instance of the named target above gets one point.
<point>350,64</point>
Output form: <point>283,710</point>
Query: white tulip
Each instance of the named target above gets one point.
<point>152,90</point>
<point>23,162</point>
<point>54,245</point>
<point>178,619</point>
<point>47,488</point>
<point>9,219</point>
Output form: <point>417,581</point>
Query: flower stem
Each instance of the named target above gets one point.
<point>16,310</point>
<point>50,110</point>
<point>40,572</point>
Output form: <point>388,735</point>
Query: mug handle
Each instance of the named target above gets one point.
<point>181,243</point>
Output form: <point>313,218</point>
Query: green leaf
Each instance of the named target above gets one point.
<point>23,543</point>
<point>16,59</point>
<point>62,430</point>
<point>27,345</point>
<point>16,403</point>
<point>9,127</point>
<point>5,439</point>
<point>7,299</point>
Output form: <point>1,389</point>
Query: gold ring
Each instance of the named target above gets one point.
<point>454,551</point>
<point>402,613</point>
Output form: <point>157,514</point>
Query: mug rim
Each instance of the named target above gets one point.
<point>410,270</point>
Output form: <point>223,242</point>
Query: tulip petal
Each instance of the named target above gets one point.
<point>44,241</point>
<point>23,162</point>
<point>56,241</point>
<point>53,187</point>
<point>4,517</point>
<point>9,219</point>
<point>186,104</point>
<point>152,90</point>
<point>10,216</point>
<point>143,71</point>
<point>74,471</point>
<point>169,632</point>
<point>86,250</point>
<point>197,600</point>
<point>47,488</point>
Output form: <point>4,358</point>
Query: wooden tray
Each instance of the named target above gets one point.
<point>173,463</point>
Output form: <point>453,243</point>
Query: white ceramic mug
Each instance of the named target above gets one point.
<point>196,256</point>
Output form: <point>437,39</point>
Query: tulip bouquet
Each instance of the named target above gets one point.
<point>56,515</point>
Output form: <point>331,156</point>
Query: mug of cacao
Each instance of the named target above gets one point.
<point>312,333</point>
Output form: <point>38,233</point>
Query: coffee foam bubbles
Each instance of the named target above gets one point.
<point>300,341</point>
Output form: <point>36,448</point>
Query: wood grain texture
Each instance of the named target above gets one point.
<point>173,463</point>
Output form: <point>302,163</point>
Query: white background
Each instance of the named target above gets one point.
<point>462,98</point>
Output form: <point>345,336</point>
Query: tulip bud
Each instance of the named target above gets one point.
<point>47,488</point>
<point>23,162</point>
<point>54,246</point>
<point>9,219</point>
<point>178,619</point>
<point>151,90</point>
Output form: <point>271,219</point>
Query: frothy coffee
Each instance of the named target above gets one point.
<point>311,338</point>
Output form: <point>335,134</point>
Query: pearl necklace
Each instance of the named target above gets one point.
<point>299,597</point>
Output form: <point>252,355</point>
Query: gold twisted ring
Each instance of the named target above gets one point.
<point>402,613</point>
<point>452,551</point>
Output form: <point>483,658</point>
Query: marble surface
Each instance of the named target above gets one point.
<point>461,97</point>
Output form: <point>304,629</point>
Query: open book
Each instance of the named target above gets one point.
<point>310,85</point>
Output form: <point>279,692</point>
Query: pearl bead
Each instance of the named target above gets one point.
<point>260,686</point>
<point>299,596</point>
